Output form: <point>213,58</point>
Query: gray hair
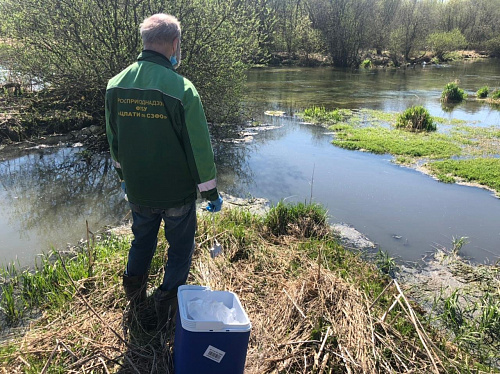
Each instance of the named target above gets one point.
<point>160,29</point>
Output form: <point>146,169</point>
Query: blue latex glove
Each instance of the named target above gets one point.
<point>215,206</point>
<point>124,188</point>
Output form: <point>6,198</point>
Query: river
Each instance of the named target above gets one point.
<point>47,196</point>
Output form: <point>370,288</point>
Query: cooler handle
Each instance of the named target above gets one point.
<point>210,325</point>
<point>192,287</point>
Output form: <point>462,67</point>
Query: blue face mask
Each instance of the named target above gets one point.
<point>173,61</point>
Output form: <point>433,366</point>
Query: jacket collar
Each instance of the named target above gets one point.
<point>155,57</point>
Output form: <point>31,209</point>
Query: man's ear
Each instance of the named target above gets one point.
<point>175,44</point>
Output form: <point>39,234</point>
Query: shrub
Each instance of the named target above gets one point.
<point>453,93</point>
<point>416,118</point>
<point>74,47</point>
<point>442,42</point>
<point>495,95</point>
<point>482,92</point>
<point>366,63</point>
<point>493,46</point>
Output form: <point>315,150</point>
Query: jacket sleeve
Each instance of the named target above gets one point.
<point>199,149</point>
<point>112,134</point>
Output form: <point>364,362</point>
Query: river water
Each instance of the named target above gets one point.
<point>47,196</point>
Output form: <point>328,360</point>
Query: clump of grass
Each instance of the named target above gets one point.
<point>367,63</point>
<point>495,95</point>
<point>458,243</point>
<point>452,93</point>
<point>307,220</point>
<point>484,171</point>
<point>321,115</point>
<point>483,92</point>
<point>475,326</point>
<point>416,118</point>
<point>386,263</point>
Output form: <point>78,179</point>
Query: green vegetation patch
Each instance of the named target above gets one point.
<point>452,93</point>
<point>482,93</point>
<point>477,141</point>
<point>397,142</point>
<point>416,118</point>
<point>485,171</point>
<point>320,115</point>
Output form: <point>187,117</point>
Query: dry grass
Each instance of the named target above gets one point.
<point>305,317</point>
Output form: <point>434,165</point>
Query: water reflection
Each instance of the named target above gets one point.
<point>47,196</point>
<point>293,89</point>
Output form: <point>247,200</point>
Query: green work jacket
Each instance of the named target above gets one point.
<point>158,135</point>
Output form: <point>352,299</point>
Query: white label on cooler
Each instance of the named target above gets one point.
<point>214,354</point>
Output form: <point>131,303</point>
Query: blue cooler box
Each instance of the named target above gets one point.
<point>210,347</point>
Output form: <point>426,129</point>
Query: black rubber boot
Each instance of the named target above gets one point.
<point>166,308</point>
<point>139,314</point>
<point>135,289</point>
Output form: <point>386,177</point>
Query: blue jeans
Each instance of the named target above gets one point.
<point>180,227</point>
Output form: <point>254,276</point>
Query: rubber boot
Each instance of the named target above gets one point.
<point>135,289</point>
<point>166,308</point>
<point>137,314</point>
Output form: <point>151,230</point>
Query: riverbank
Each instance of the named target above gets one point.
<point>372,59</point>
<point>314,306</point>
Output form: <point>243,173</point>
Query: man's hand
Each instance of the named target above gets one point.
<point>215,206</point>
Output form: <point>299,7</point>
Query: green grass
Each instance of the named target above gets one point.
<point>284,218</point>
<point>475,326</point>
<point>397,142</point>
<point>47,284</point>
<point>484,171</point>
<point>495,95</point>
<point>320,115</point>
<point>416,118</point>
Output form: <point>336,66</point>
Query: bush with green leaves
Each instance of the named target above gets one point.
<point>453,93</point>
<point>367,63</point>
<point>75,47</point>
<point>483,92</point>
<point>443,42</point>
<point>495,95</point>
<point>416,118</point>
<point>493,46</point>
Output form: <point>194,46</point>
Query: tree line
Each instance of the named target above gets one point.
<point>70,48</point>
<point>343,29</point>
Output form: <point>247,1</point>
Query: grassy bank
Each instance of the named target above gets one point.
<point>459,153</point>
<point>315,307</point>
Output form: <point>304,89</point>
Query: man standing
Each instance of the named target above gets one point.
<point>160,145</point>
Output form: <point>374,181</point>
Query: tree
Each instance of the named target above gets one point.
<point>414,20</point>
<point>343,24</point>
<point>382,23</point>
<point>75,46</point>
<point>442,42</point>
